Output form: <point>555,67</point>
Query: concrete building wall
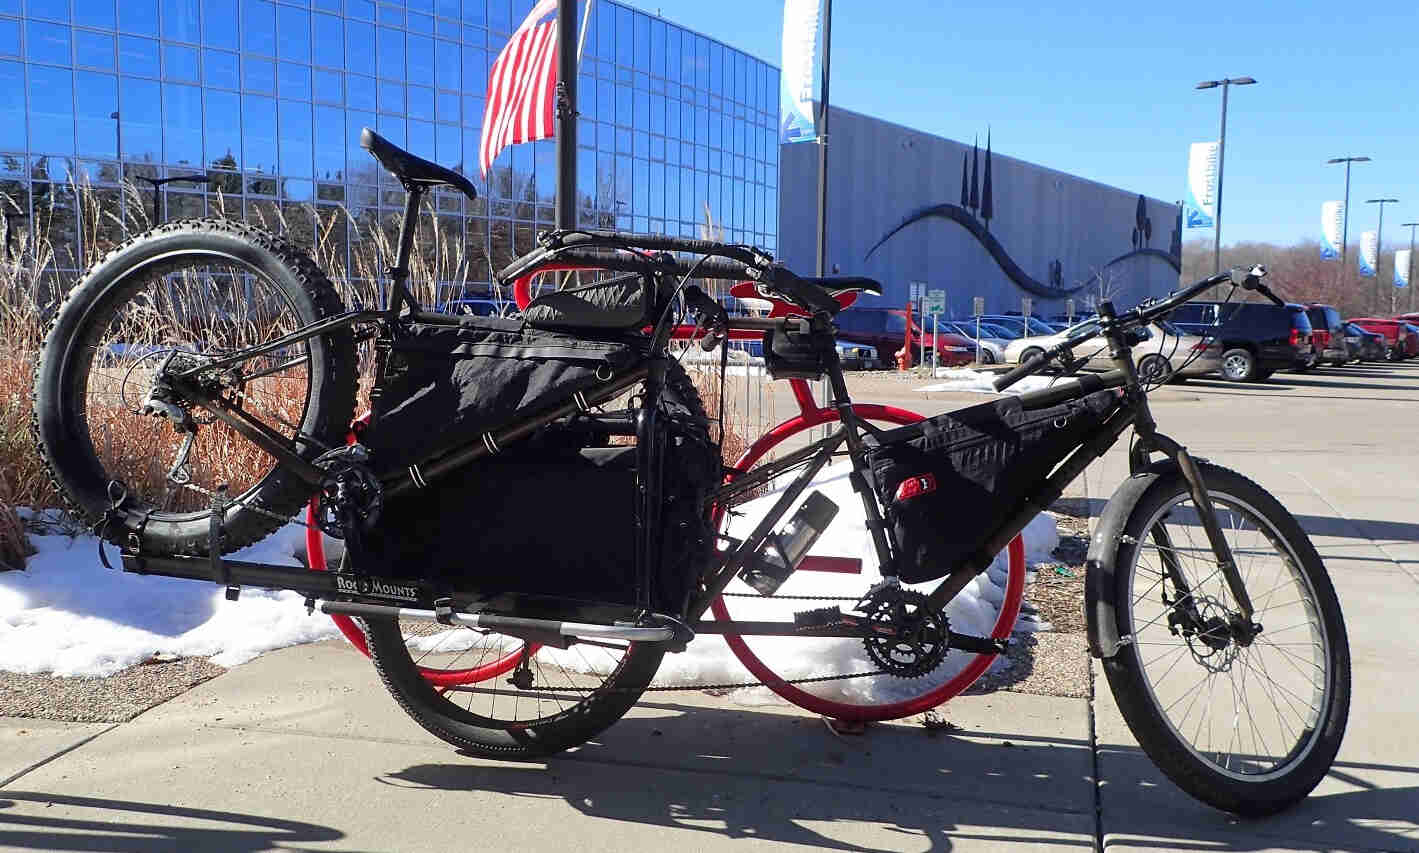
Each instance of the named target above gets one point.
<point>1050,235</point>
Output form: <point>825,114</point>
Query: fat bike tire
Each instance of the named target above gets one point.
<point>94,340</point>
<point>1296,671</point>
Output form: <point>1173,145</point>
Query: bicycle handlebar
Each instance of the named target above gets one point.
<point>1142,315</point>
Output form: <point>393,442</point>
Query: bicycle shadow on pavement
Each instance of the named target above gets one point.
<point>1140,804</point>
<point>743,774</point>
<point>746,774</point>
<point>76,823</point>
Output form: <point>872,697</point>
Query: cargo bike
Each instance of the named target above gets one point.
<point>536,512</point>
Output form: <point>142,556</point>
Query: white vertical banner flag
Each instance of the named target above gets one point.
<point>1402,260</point>
<point>1200,207</point>
<point>1332,218</point>
<point>1369,253</point>
<point>801,71</point>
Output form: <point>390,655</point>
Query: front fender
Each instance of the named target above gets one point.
<point>1100,568</point>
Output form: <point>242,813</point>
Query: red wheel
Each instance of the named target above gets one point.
<point>439,677</point>
<point>847,709</point>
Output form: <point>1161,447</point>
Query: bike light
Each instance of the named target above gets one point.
<point>912,487</point>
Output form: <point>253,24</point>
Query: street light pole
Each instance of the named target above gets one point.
<point>1226,84</point>
<point>1411,226</point>
<point>158,183</point>
<point>1380,249</point>
<point>1345,211</point>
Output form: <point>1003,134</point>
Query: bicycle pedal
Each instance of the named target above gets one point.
<point>822,617</point>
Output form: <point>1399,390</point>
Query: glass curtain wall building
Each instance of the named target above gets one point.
<point>255,108</point>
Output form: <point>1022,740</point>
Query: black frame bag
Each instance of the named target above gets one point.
<point>966,471</point>
<point>446,383</point>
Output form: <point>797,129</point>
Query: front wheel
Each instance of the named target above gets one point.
<point>1249,725</point>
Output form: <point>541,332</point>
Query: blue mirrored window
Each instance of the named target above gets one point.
<point>138,16</point>
<point>10,38</point>
<point>222,141</point>
<point>359,47</point>
<point>97,101</point>
<point>258,136</point>
<point>182,137</point>
<point>259,27</point>
<point>296,139</point>
<point>293,32</point>
<point>138,56</point>
<point>93,50</point>
<point>391,96</point>
<point>329,41</point>
<point>49,43</point>
<point>329,143</point>
<point>222,69</point>
<point>360,92</point>
<point>182,20</point>
<point>12,106</point>
<point>293,81</point>
<point>421,102</point>
<point>390,53</point>
<point>220,17</point>
<point>141,118</point>
<point>329,86</point>
<point>93,13</point>
<point>421,60</point>
<point>258,75</point>
<point>180,63</point>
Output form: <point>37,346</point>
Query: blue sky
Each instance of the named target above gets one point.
<point>1105,90</point>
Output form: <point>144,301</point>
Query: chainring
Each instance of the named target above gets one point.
<point>907,636</point>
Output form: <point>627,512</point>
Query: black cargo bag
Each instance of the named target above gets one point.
<point>446,384</point>
<point>548,518</point>
<point>967,471</point>
<point>790,354</point>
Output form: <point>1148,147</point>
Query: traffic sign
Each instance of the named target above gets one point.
<point>934,303</point>
<point>977,306</point>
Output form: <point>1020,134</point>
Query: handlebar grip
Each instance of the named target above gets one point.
<point>1025,368</point>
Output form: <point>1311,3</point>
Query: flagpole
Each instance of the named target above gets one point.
<point>822,265</point>
<point>566,114</point>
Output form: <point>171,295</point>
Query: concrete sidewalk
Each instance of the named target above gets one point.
<point>302,749</point>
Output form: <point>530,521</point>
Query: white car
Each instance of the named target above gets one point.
<point>993,339</point>
<point>1168,353</point>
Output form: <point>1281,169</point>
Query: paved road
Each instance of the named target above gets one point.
<point>302,750</point>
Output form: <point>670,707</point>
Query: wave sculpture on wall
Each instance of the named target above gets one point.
<point>1053,288</point>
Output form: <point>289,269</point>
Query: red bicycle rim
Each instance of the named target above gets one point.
<point>1004,623</point>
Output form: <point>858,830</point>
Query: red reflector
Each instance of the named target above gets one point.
<point>916,486</point>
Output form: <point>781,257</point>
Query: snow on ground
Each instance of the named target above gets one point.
<point>963,379</point>
<point>68,615</point>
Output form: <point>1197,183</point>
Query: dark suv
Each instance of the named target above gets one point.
<point>1328,335</point>
<point>1257,338</point>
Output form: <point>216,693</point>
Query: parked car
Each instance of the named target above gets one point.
<point>885,329</point>
<point>858,356</point>
<point>1168,354</point>
<point>992,340</point>
<point>478,307</point>
<point>1363,344</point>
<point>1328,335</point>
<point>1018,326</point>
<point>1257,338</point>
<point>1396,333</point>
<point>1412,342</point>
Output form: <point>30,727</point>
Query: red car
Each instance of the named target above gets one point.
<point>1399,342</point>
<point>885,329</point>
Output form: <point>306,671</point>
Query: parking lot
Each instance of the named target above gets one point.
<point>303,749</point>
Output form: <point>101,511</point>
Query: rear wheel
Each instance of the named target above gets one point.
<point>170,300</point>
<point>1249,725</point>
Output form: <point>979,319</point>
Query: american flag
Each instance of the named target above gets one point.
<point>522,87</point>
